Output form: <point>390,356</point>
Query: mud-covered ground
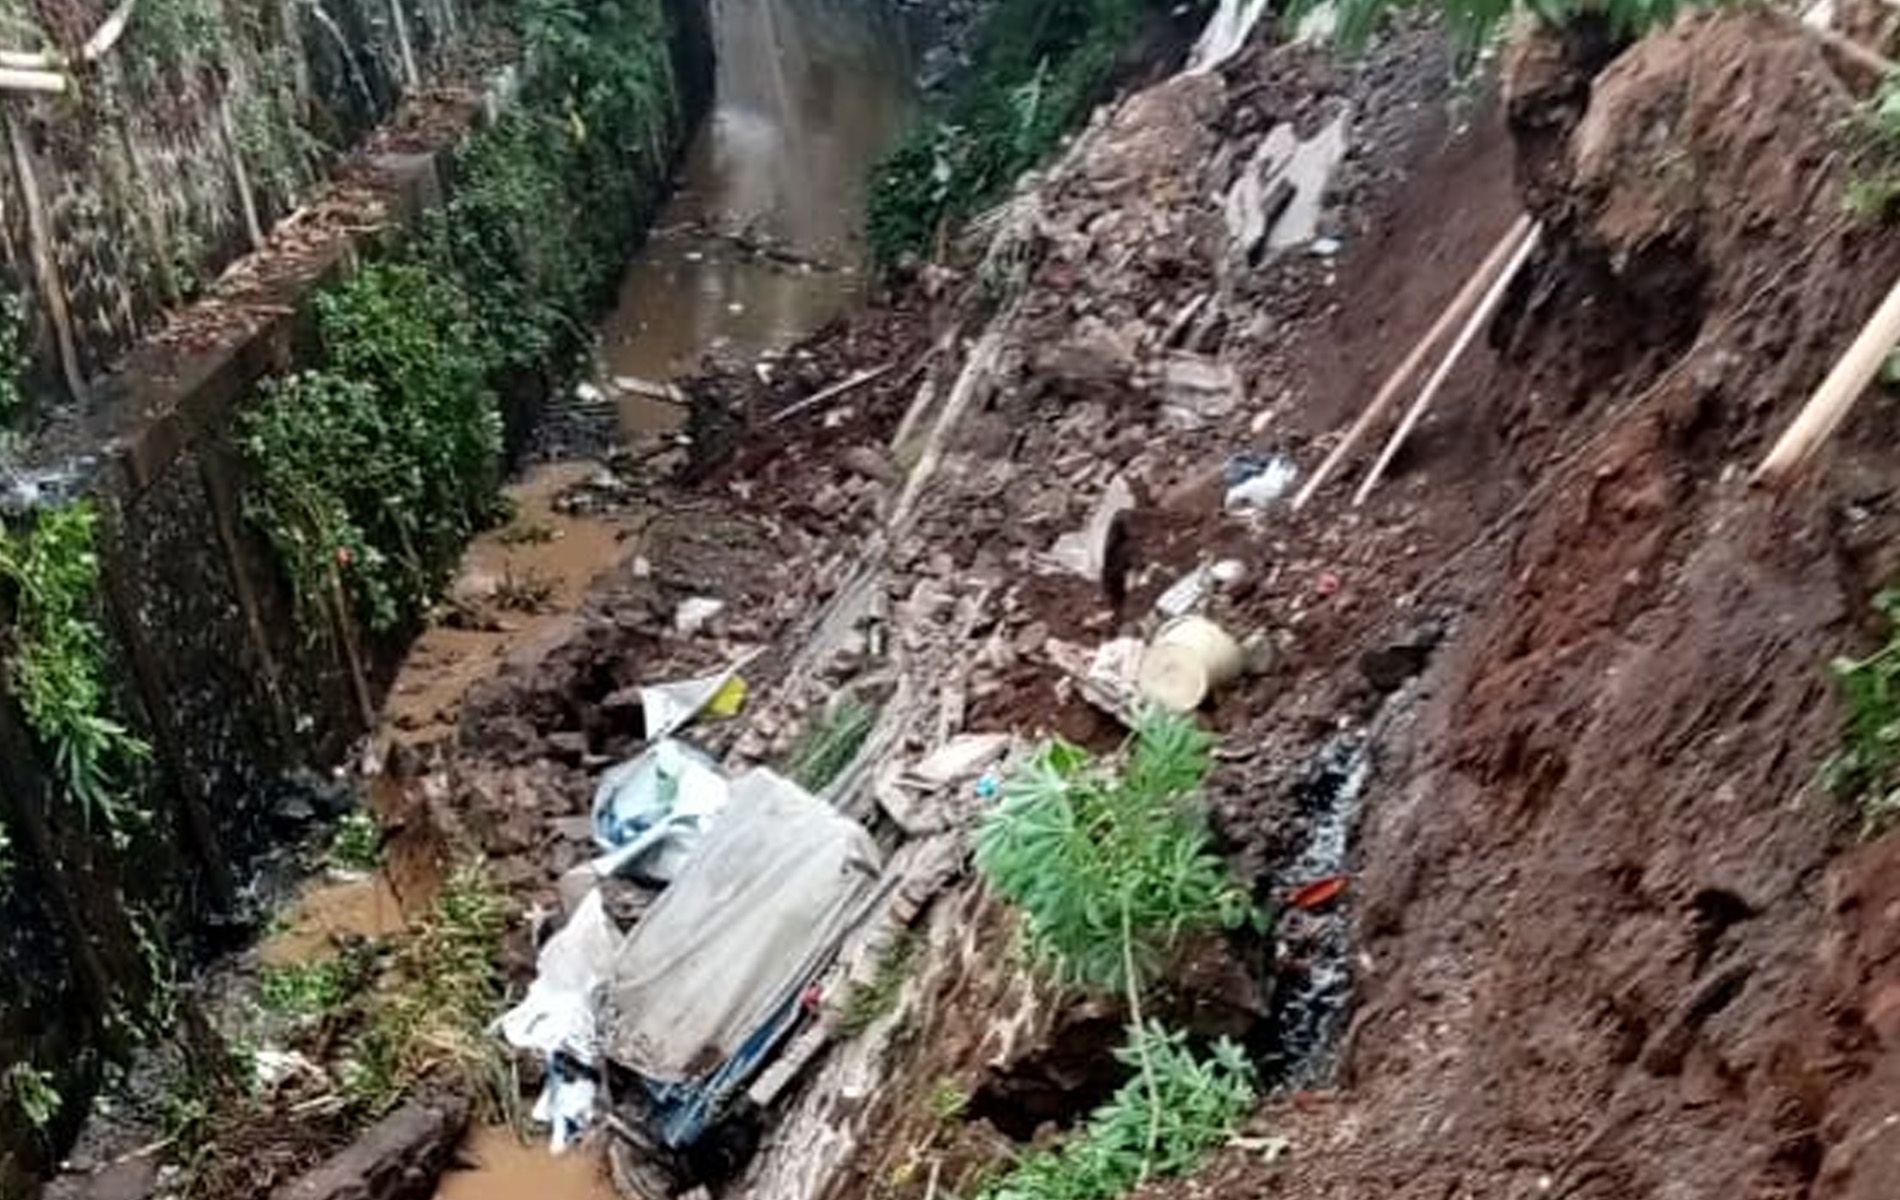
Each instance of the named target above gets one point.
<point>1560,682</point>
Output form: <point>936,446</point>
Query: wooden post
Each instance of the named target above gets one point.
<point>1827,408</point>
<point>45,271</point>
<point>1486,309</point>
<point>1456,311</point>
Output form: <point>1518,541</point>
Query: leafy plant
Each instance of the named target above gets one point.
<point>827,746</point>
<point>373,473</point>
<point>300,990</point>
<point>57,663</point>
<point>1873,134</point>
<point>357,844</point>
<point>1111,868</point>
<point>33,1093</point>
<point>1863,771</point>
<point>1194,1106</point>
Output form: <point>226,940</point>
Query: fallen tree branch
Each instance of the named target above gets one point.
<point>1454,312</point>
<point>1487,308</point>
<point>1828,407</point>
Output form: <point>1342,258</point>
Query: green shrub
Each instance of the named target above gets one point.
<point>1863,771</point>
<point>1195,1105</point>
<point>57,662</point>
<point>1111,867</point>
<point>1039,65</point>
<point>372,473</point>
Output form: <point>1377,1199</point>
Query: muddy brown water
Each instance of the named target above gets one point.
<point>763,241</point>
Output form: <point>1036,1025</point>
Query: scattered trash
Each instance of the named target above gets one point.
<point>666,707</point>
<point>706,988</point>
<point>1257,480</point>
<point>1326,247</point>
<point>1318,893</point>
<point>1188,593</point>
<point>1086,551</point>
<point>694,611</point>
<point>1189,658</point>
<point>651,811</point>
<point>272,1068</point>
<point>557,1018</point>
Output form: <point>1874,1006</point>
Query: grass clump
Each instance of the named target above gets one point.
<point>1111,868</point>
<point>827,745</point>
<point>1865,771</point>
<point>57,661</point>
<point>432,1020</point>
<point>866,1002</point>
<point>1195,1105</point>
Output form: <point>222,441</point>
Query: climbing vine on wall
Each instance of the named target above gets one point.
<point>374,471</point>
<point>548,196</point>
<point>56,662</point>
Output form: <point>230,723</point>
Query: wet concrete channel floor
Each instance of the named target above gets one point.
<point>760,246</point>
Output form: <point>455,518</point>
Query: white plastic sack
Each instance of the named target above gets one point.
<point>558,1011</point>
<point>773,889</point>
<point>651,811</point>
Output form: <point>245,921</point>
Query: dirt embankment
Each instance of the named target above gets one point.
<point>1615,939</point>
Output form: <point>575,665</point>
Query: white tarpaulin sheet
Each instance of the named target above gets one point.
<point>768,895</point>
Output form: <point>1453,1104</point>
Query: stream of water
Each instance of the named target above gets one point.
<point>762,242</point>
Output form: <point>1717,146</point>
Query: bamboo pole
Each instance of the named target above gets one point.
<point>108,34</point>
<point>45,271</point>
<point>1824,411</point>
<point>1456,311</point>
<point>17,79</point>
<point>1486,309</point>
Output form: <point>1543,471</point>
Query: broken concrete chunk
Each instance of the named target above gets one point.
<point>400,1157</point>
<point>1196,389</point>
<point>961,758</point>
<point>1086,551</point>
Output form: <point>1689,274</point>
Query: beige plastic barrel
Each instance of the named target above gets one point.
<point>1187,661</point>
